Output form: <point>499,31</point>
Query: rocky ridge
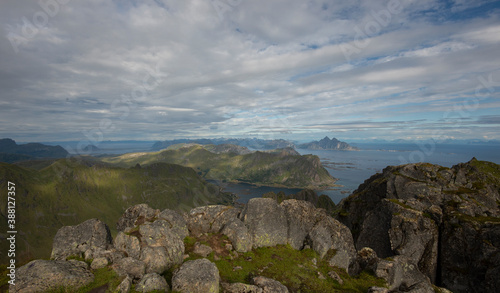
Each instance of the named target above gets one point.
<point>445,222</point>
<point>413,227</point>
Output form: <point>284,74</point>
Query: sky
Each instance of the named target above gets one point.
<point>162,69</point>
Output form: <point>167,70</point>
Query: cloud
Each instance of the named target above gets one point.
<point>164,69</point>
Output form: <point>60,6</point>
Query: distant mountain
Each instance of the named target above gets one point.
<point>91,148</point>
<point>283,167</point>
<point>11,152</point>
<point>251,143</point>
<point>328,144</point>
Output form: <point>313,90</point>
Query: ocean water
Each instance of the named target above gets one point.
<point>352,168</point>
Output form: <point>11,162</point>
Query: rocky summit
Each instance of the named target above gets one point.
<point>443,222</point>
<point>412,228</point>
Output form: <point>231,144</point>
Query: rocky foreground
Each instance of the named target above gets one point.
<point>413,227</point>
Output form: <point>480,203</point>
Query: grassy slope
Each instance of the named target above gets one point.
<point>261,168</point>
<point>70,192</point>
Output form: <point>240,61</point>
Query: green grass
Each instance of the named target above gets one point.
<point>294,269</point>
<point>102,277</point>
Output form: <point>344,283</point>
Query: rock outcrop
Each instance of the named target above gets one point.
<point>87,237</point>
<point>196,276</point>
<point>442,221</point>
<point>44,275</point>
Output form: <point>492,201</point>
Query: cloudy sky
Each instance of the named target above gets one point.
<point>161,69</point>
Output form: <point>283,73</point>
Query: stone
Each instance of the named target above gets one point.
<point>130,267</point>
<point>266,222</point>
<point>151,282</point>
<point>177,223</point>
<point>124,286</point>
<point>269,285</point>
<point>336,277</point>
<point>195,276</point>
<point>76,240</point>
<point>156,259</point>
<point>378,290</point>
<point>128,244</point>
<point>135,216</point>
<point>44,275</point>
<point>202,249</point>
<point>240,288</point>
<point>158,234</point>
<point>330,235</point>
<point>99,263</point>
<point>239,235</point>
<point>210,219</point>
<point>301,217</point>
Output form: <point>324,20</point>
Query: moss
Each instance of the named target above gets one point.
<point>103,278</point>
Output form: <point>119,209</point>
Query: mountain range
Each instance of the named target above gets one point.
<point>327,144</point>
<point>11,152</point>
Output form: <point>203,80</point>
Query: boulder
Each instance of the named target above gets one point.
<point>159,234</point>
<point>44,275</point>
<point>156,259</point>
<point>266,222</point>
<point>90,235</point>
<point>130,267</point>
<point>177,223</point>
<point>128,244</point>
<point>238,233</point>
<point>210,219</point>
<point>152,282</point>
<point>301,217</point>
<point>329,237</point>
<point>269,285</point>
<point>135,216</point>
<point>195,276</point>
<point>124,286</point>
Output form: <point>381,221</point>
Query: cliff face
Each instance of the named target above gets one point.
<point>446,221</point>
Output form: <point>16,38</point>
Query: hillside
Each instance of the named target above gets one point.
<point>285,168</point>
<point>70,191</point>
<point>327,144</point>
<point>252,143</point>
<point>11,152</point>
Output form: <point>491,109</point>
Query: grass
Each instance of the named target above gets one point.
<point>105,278</point>
<point>69,192</point>
<point>298,270</point>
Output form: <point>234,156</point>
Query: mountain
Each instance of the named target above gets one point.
<point>11,152</point>
<point>327,144</point>
<point>72,190</point>
<point>252,143</point>
<point>445,221</point>
<point>284,168</point>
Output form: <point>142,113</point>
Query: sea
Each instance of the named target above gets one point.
<point>351,168</point>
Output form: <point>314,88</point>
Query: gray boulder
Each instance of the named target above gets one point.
<point>210,219</point>
<point>329,236</point>
<point>99,263</point>
<point>266,222</point>
<point>152,282</point>
<point>301,217</point>
<point>44,275</point>
<point>195,276</point>
<point>238,233</point>
<point>128,244</point>
<point>269,285</point>
<point>135,216</point>
<point>177,223</point>
<point>124,286</point>
<point>159,234</point>
<point>76,240</point>
<point>130,267</point>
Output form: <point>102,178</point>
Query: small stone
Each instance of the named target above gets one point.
<point>202,249</point>
<point>336,277</point>
<point>151,282</point>
<point>229,247</point>
<point>320,276</point>
<point>216,257</point>
<point>237,268</point>
<point>99,263</point>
